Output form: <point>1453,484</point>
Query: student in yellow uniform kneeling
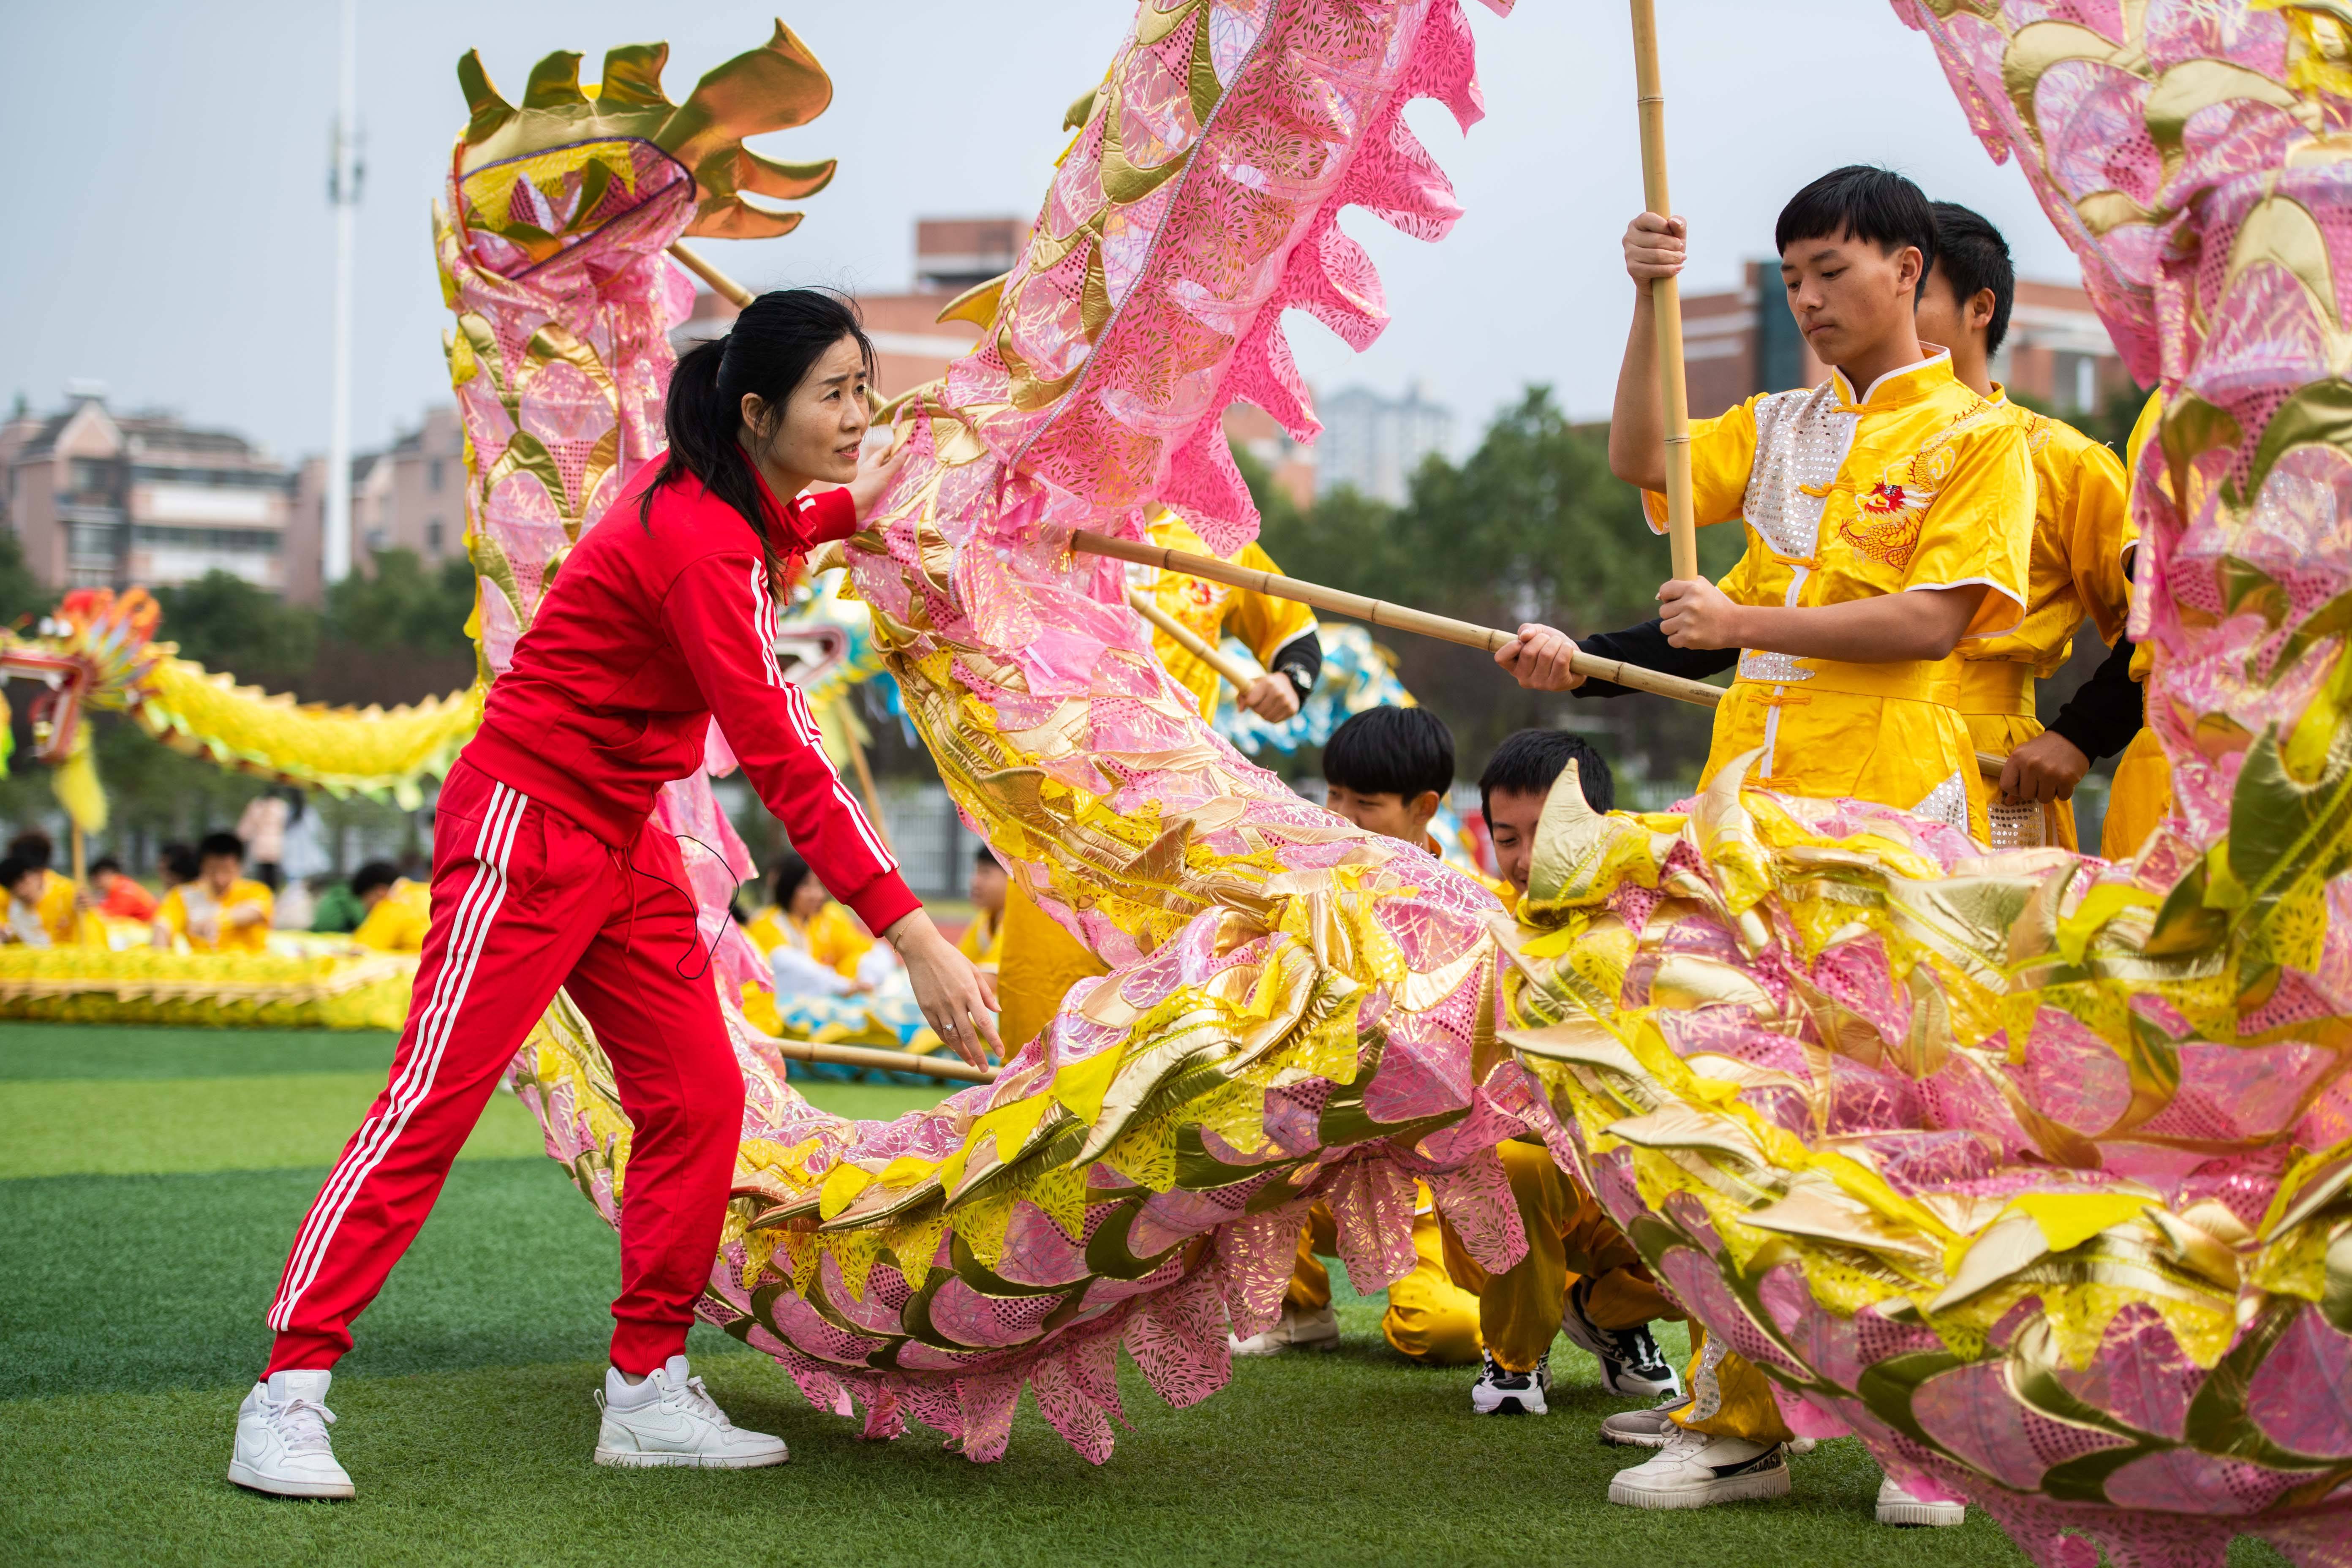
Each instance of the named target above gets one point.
<point>1387,770</point>
<point>1581,1276</point>
<point>811,943</point>
<point>399,909</point>
<point>223,911</point>
<point>1889,515</point>
<point>43,907</point>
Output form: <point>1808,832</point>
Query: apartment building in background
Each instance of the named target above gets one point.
<point>1742,342</point>
<point>98,498</point>
<point>410,496</point>
<point>1372,444</point>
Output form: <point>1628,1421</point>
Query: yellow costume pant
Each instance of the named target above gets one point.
<point>1997,701</point>
<point>1730,1398</point>
<point>1887,732</point>
<point>2140,798</point>
<point>1429,1320</point>
<point>1041,961</point>
<point>1569,1236</point>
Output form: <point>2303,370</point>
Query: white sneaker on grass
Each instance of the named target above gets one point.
<point>1696,1470</point>
<point>1644,1428</point>
<point>1501,1393</point>
<point>671,1420</point>
<point>1293,1331</point>
<point>1631,1365</point>
<point>281,1439</point>
<point>1898,1506</point>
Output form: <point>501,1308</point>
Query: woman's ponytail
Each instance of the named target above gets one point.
<point>775,341</point>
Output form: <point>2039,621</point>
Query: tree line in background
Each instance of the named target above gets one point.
<point>394,634</point>
<point>1530,527</point>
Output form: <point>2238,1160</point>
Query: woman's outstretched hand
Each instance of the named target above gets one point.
<point>958,999</point>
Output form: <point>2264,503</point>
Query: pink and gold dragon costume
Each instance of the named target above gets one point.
<point>2034,1170</point>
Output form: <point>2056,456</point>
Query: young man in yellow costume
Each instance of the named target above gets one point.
<point>1387,770</point>
<point>984,940</point>
<point>1889,514</point>
<point>2141,795</point>
<point>223,911</point>
<point>2082,542</point>
<point>1582,1275</point>
<point>399,909</point>
<point>1040,961</point>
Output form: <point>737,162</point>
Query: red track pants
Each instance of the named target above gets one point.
<point>524,901</point>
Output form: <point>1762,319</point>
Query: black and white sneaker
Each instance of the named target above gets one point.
<point>1500,1392</point>
<point>1696,1470</point>
<point>1631,1365</point>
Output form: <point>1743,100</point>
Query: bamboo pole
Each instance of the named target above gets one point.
<point>80,856</point>
<point>1666,297</point>
<point>1380,613</point>
<point>946,1064</point>
<point>1182,635</point>
<point>726,287</point>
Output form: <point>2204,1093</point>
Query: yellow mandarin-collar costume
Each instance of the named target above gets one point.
<point>2082,530</point>
<point>830,937</point>
<point>400,919</point>
<point>2141,795</point>
<point>984,940</point>
<point>191,902</point>
<point>1214,611</point>
<point>52,920</point>
<point>1916,483</point>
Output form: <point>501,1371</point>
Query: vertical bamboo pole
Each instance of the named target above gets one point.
<point>1666,295</point>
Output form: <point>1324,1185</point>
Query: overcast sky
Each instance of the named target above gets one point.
<point>170,237</point>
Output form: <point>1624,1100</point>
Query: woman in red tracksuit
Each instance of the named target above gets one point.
<point>547,872</point>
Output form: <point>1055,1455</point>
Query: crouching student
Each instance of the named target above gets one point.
<point>1581,1276</point>
<point>1388,771</point>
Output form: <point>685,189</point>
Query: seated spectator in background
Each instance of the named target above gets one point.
<point>812,945</point>
<point>22,884</point>
<point>984,940</point>
<point>222,911</point>
<point>262,828</point>
<point>337,909</point>
<point>54,900</point>
<point>398,909</point>
<point>174,864</point>
<point>118,898</point>
<point>1581,1276</point>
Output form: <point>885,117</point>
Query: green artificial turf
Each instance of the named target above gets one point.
<point>130,1319</point>
<point>78,1050</point>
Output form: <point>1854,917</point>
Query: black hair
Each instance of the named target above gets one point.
<point>373,875</point>
<point>34,848</point>
<point>14,870</point>
<point>178,861</point>
<point>1528,760</point>
<point>1867,202</point>
<point>104,863</point>
<point>775,342</point>
<point>1975,256</point>
<point>984,855</point>
<point>1401,751</point>
<point>213,843</point>
<point>786,876</point>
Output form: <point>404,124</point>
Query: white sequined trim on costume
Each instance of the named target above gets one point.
<point>1707,1389</point>
<point>1801,438</point>
<point>2017,826</point>
<point>1948,802</point>
<point>1774,669</point>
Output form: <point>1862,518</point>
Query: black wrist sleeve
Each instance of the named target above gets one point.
<point>2102,717</point>
<point>1300,661</point>
<point>1647,647</point>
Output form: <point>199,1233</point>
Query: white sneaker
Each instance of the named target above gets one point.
<point>670,1419</point>
<point>1644,1428</point>
<point>1896,1506</point>
<point>1501,1393</point>
<point>1293,1331</point>
<point>1696,1470</point>
<point>281,1439</point>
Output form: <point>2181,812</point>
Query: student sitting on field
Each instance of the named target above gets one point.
<point>222,911</point>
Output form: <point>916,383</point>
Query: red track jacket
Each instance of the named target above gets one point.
<point>649,632</point>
